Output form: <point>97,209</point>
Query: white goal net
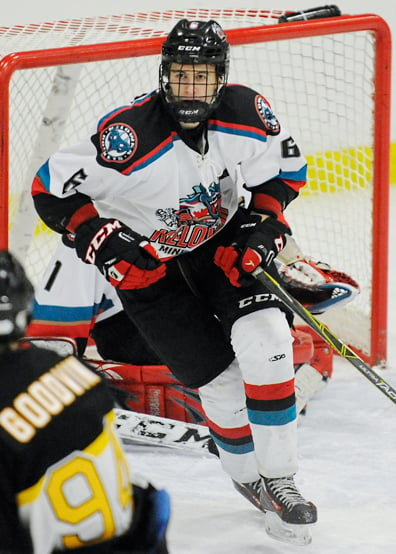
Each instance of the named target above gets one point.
<point>327,81</point>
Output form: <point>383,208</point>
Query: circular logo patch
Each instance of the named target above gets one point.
<point>267,115</point>
<point>118,142</point>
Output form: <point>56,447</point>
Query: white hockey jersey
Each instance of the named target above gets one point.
<point>143,169</point>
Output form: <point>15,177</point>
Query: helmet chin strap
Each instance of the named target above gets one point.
<point>191,111</point>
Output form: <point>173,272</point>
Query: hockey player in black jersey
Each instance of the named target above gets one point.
<point>64,479</point>
<point>155,209</point>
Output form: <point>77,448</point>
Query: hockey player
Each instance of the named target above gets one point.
<point>75,300</point>
<point>64,479</point>
<point>151,200</point>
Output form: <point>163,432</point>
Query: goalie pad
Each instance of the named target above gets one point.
<point>316,285</point>
<point>323,355</point>
<point>313,376</point>
<point>152,389</point>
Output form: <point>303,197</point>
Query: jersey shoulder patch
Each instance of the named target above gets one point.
<point>267,116</point>
<point>129,136</point>
<point>242,105</point>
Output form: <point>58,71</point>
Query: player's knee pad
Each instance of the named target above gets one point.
<point>262,342</point>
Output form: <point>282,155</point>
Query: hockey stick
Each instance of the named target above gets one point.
<point>150,430</point>
<point>324,332</point>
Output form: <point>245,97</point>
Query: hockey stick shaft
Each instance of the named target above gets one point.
<point>325,333</point>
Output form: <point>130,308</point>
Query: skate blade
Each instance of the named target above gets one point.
<point>287,532</point>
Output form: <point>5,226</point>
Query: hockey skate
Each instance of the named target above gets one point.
<point>251,491</point>
<point>288,516</point>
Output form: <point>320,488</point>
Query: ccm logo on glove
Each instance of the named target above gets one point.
<point>126,258</point>
<point>98,239</point>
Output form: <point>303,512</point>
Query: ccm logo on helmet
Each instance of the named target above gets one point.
<point>187,48</point>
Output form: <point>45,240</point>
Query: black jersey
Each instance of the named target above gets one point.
<point>64,479</point>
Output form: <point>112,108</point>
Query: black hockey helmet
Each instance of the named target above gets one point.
<point>16,298</point>
<point>191,43</point>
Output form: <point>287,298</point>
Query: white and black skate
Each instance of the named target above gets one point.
<point>288,516</point>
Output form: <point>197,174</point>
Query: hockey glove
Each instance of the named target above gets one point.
<point>257,244</point>
<point>147,534</point>
<point>125,258</point>
<point>317,286</point>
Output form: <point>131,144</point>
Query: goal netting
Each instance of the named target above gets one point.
<point>327,80</point>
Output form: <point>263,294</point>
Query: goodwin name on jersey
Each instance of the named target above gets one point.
<point>46,397</point>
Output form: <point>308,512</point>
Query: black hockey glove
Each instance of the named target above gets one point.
<point>125,258</point>
<point>257,243</point>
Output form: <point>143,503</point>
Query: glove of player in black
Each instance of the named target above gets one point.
<point>147,534</point>
<point>257,243</point>
<point>126,259</point>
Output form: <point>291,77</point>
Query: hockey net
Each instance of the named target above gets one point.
<point>327,80</point>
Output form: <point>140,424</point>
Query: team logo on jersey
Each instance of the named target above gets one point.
<point>199,217</point>
<point>168,216</point>
<point>201,207</point>
<point>118,142</point>
<point>267,115</point>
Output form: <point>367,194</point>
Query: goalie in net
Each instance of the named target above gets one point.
<point>155,209</point>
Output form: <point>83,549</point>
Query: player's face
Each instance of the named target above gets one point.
<point>193,82</point>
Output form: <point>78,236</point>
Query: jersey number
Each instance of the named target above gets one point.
<point>77,494</point>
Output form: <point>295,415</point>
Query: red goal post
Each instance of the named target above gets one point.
<point>328,81</point>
